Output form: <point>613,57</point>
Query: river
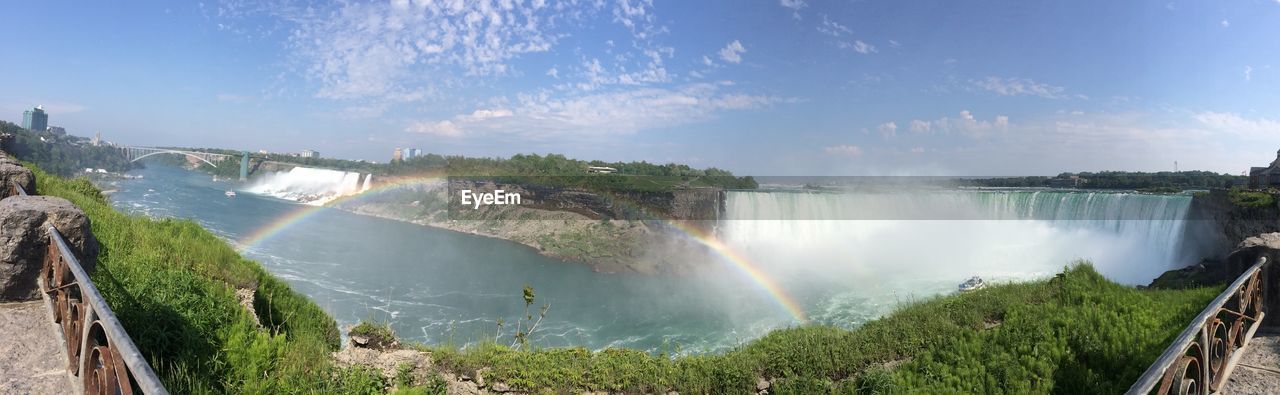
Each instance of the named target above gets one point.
<point>443,287</point>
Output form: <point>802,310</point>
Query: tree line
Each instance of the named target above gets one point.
<point>61,155</point>
<point>1119,180</point>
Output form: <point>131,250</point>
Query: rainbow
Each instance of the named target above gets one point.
<point>304,211</point>
<point>728,254</point>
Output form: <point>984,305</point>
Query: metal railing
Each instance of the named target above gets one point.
<point>1204,354</point>
<point>98,349</point>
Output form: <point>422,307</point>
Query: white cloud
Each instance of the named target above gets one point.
<point>843,150</point>
<point>832,28</point>
<point>966,125</point>
<point>918,126</point>
<point>732,53</point>
<point>888,129</point>
<point>481,115</point>
<point>1234,124</point>
<point>917,150</point>
<point>443,128</point>
<point>553,73</point>
<point>794,6</point>
<point>1248,71</point>
<point>1226,23</point>
<point>392,50</point>
<point>798,4</point>
<point>1020,87</point>
<point>542,116</point>
<point>860,47</point>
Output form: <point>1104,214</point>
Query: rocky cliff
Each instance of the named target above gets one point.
<point>1216,222</point>
<point>627,231</point>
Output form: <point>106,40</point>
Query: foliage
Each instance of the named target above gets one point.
<point>1245,198</point>
<point>380,335</point>
<point>1075,333</point>
<point>1164,181</point>
<point>62,155</point>
<point>172,284</point>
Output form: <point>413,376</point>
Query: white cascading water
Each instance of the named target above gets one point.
<point>908,244</point>
<point>308,185</point>
<point>368,180</point>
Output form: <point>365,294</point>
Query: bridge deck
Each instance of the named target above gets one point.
<point>1259,369</point>
<point>31,357</point>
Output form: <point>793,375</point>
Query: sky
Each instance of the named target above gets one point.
<point>767,87</point>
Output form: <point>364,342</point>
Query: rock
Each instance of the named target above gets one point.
<point>480,376</point>
<point>386,362</point>
<point>11,173</point>
<point>359,341</point>
<point>762,384</point>
<point>1265,240</point>
<point>501,387</point>
<point>245,296</point>
<point>24,241</point>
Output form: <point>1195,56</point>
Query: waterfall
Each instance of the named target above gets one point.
<point>309,185</point>
<point>367,181</point>
<point>950,235</point>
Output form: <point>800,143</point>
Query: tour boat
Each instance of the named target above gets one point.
<point>974,283</point>
<point>231,193</point>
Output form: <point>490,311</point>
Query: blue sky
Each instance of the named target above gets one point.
<point>769,87</point>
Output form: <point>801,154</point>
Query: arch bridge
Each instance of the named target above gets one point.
<point>136,153</point>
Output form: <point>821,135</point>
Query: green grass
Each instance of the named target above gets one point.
<point>1075,333</point>
<point>172,284</point>
<point>1244,198</point>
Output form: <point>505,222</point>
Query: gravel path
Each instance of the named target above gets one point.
<point>1259,370</point>
<point>31,358</point>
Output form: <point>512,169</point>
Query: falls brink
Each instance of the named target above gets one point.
<point>309,185</point>
<point>942,237</point>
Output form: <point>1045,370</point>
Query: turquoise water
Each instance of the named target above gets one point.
<point>845,258</point>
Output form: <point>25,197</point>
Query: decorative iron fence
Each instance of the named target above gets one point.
<point>99,351</point>
<point>1204,354</point>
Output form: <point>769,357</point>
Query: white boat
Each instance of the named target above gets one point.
<point>231,193</point>
<point>972,284</point>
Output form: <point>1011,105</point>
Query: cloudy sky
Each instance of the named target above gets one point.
<point>768,87</point>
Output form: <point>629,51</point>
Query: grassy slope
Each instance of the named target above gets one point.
<point>171,282</point>
<point>1075,333</point>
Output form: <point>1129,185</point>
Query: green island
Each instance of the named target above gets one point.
<point>174,286</point>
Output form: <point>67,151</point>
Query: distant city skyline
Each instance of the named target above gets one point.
<point>769,87</point>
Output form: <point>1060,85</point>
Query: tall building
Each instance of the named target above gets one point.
<point>35,120</point>
<point>97,138</point>
<point>397,155</point>
<point>306,153</point>
<point>58,131</point>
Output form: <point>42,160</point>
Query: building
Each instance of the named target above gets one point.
<point>1266,177</point>
<point>397,155</point>
<point>601,169</point>
<point>306,153</point>
<point>35,120</point>
<point>410,153</point>
<point>57,131</point>
<point>97,139</point>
